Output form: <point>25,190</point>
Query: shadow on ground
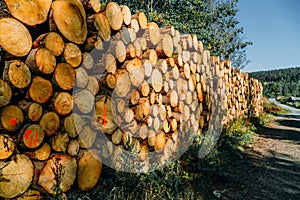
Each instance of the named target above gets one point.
<point>268,175</point>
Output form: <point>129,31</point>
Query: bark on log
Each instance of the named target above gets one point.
<point>41,60</point>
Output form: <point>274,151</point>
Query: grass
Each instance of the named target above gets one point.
<point>187,178</point>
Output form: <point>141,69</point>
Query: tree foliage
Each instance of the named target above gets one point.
<point>281,82</point>
<point>213,21</point>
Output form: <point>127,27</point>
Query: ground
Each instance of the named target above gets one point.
<point>270,168</point>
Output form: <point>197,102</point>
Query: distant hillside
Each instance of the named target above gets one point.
<point>280,82</point>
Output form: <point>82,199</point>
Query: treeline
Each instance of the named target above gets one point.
<point>280,82</point>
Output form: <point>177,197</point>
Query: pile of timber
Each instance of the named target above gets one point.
<point>73,70</point>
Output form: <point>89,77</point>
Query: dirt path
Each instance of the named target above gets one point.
<point>271,168</point>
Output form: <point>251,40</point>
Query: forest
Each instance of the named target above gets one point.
<point>279,82</point>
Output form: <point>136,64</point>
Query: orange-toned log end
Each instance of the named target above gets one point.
<point>12,118</point>
<point>74,30</point>
<point>41,153</point>
<point>33,136</point>
<point>160,141</point>
<point>58,174</point>
<point>17,73</point>
<point>29,12</point>
<point>14,37</point>
<point>40,90</point>
<point>41,60</point>
<point>64,76</point>
<point>63,103</point>
<point>89,169</point>
<point>16,176</point>
<point>7,146</point>
<point>54,43</point>
<point>72,54</point>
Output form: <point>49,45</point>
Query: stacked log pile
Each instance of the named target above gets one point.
<point>73,71</point>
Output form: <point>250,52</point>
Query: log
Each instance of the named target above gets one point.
<point>41,154</point>
<point>114,15</point>
<point>73,147</point>
<point>153,33</point>
<point>93,85</point>
<point>82,77</point>
<point>142,19</point>
<point>126,15</point>
<point>31,13</point>
<point>12,118</point>
<point>84,101</point>
<point>105,110</point>
<point>87,60</point>
<point>102,25</point>
<point>52,41</point>
<point>135,71</point>
<point>40,90</point>
<point>110,81</point>
<point>73,124</point>
<point>156,80</point>
<point>123,83</point>
<point>116,137</point>
<point>58,174</point>
<point>89,169</point>
<point>94,5</point>
<point>72,54</point>
<point>63,103</point>
<point>5,93</point>
<point>160,141</point>
<point>14,37</point>
<point>64,76</point>
<point>31,195</point>
<point>7,147</point>
<point>33,136</point>
<point>182,89</point>
<point>16,176</point>
<point>60,142</point>
<point>50,123</point>
<point>63,11</point>
<point>165,47</point>
<point>41,60</point>
<point>17,73</point>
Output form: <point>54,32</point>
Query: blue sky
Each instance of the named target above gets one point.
<point>274,28</point>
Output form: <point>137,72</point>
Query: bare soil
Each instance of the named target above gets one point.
<point>270,169</point>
